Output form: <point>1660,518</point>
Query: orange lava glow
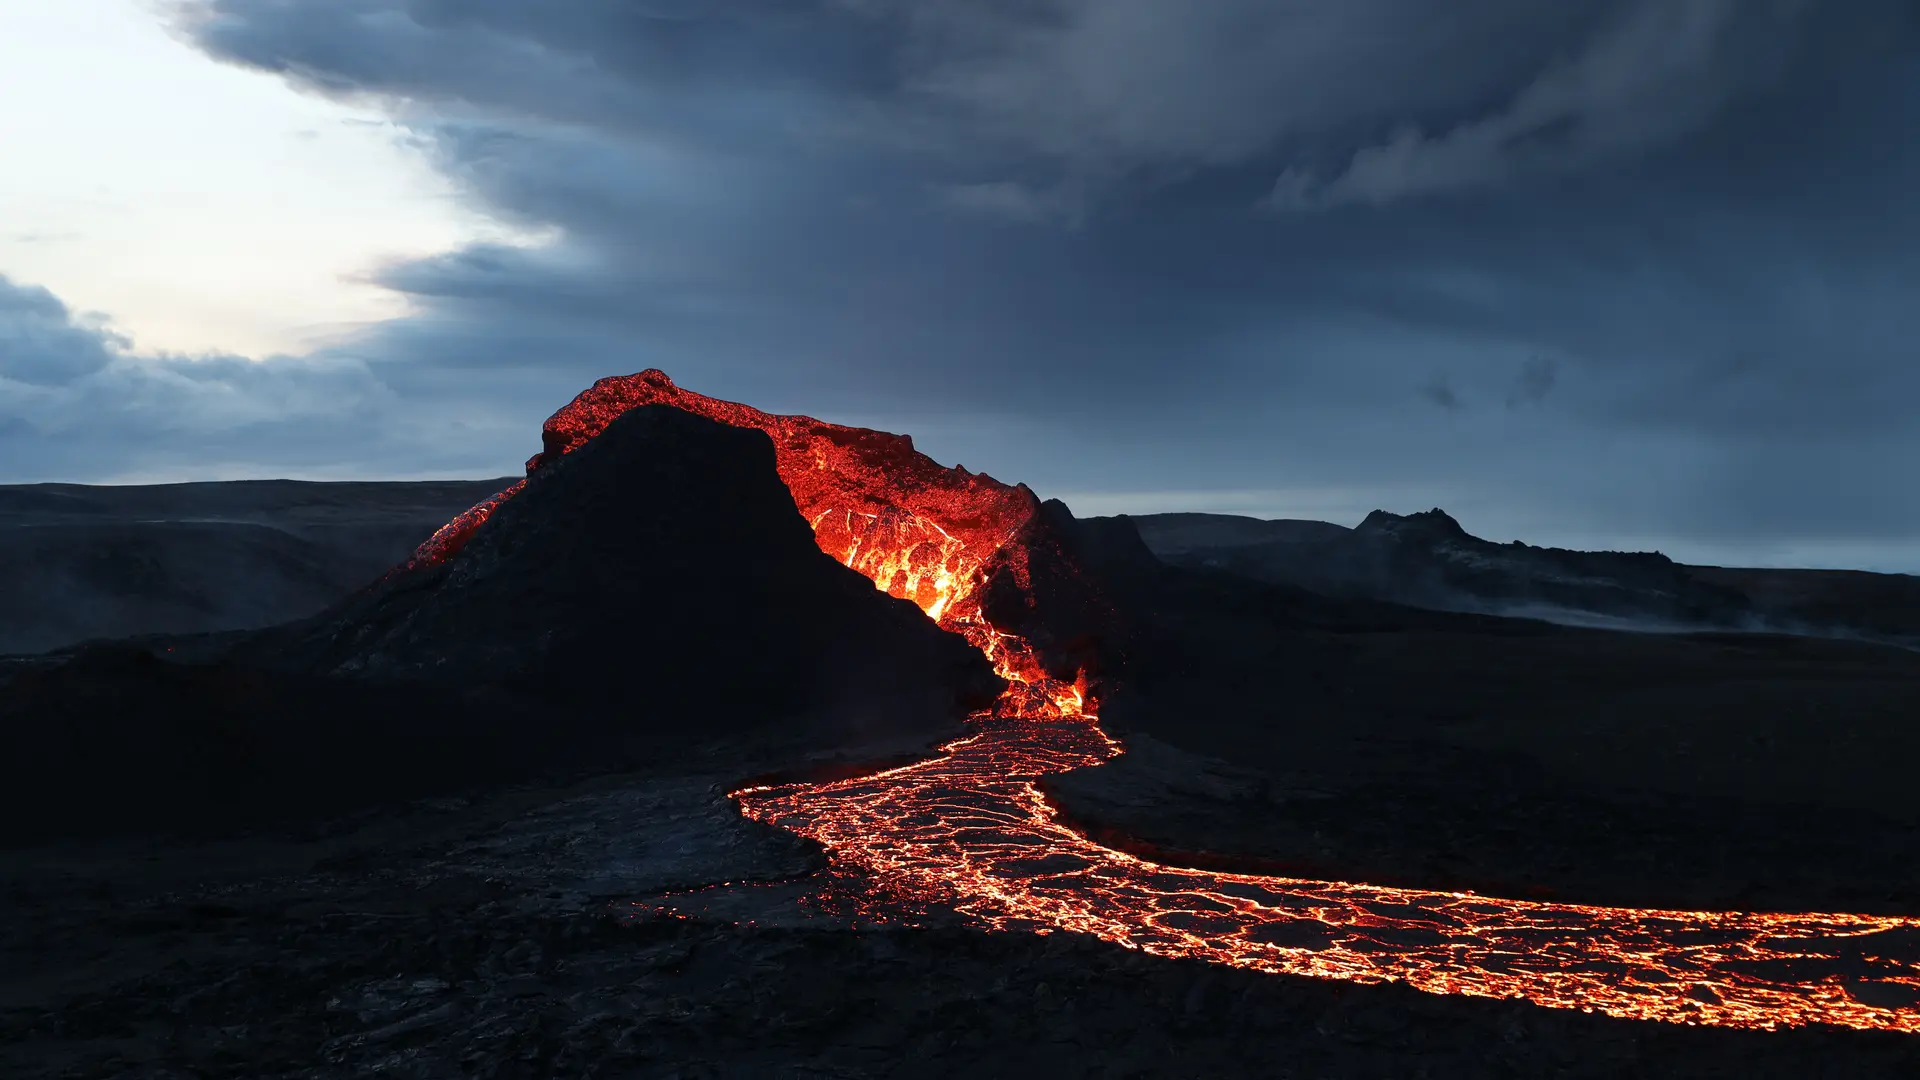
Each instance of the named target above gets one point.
<point>971,829</point>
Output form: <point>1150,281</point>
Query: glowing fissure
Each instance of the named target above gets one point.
<point>970,828</point>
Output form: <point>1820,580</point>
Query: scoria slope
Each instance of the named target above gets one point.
<point>981,558</point>
<point>652,593</point>
<point>661,566</point>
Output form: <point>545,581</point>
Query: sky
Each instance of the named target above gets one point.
<point>1627,274</point>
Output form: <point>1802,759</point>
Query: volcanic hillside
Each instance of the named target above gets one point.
<point>653,591</point>
<point>662,564</point>
<point>981,558</point>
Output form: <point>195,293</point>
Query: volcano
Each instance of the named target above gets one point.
<point>675,568</point>
<point>646,591</point>
<point>986,560</point>
<point>973,831</point>
<point>659,567</point>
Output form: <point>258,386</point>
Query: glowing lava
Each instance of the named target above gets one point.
<point>971,828</point>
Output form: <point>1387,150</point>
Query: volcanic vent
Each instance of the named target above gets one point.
<point>656,573</point>
<point>971,829</point>
<point>981,558</point>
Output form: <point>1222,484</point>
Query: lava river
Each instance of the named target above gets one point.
<point>971,829</point>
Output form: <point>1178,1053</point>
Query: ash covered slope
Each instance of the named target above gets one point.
<point>1427,559</point>
<point>654,593</point>
<point>79,562</point>
<point>661,562</point>
<point>1857,602</point>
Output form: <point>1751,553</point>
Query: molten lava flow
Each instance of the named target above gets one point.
<point>972,829</point>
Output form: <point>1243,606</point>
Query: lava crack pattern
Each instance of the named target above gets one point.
<point>971,829</point>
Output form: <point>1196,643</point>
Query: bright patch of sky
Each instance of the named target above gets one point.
<point>198,206</point>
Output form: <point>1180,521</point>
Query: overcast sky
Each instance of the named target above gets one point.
<point>1603,273</point>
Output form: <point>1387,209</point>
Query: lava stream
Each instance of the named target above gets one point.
<point>970,828</point>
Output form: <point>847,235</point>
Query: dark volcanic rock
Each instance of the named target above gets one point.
<point>1430,557</point>
<point>1389,744</point>
<point>114,738</point>
<point>1064,603</point>
<point>1428,560</point>
<point>480,941</point>
<point>1109,548</point>
<point>652,592</point>
<point>661,564</point>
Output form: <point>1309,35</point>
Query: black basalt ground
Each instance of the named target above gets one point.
<point>503,939</point>
<point>637,925</point>
<point>1364,741</point>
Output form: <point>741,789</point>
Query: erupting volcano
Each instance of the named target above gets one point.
<point>971,828</point>
<point>942,538</point>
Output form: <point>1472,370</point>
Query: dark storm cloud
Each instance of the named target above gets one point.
<point>1129,245</point>
<point>1533,383</point>
<point>1440,391</point>
<point>1651,72</point>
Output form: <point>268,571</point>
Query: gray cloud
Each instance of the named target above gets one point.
<point>44,344</point>
<point>1029,233</point>
<point>1015,202</point>
<point>76,402</point>
<point>1123,84</point>
<point>1439,390</point>
<point>1659,70</point>
<point>1533,382</point>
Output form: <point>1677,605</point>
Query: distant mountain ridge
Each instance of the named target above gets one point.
<point>79,562</point>
<point>82,561</point>
<point>1429,560</point>
<point>1172,534</point>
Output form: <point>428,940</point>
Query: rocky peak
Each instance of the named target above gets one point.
<point>1436,523</point>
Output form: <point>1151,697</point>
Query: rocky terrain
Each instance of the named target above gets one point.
<point>637,925</point>
<point>472,820</point>
<point>550,932</point>
<point>1428,560</point>
<point>80,562</point>
<point>658,575</point>
<point>1358,741</point>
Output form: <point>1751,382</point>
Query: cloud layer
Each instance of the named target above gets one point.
<point>1591,271</point>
